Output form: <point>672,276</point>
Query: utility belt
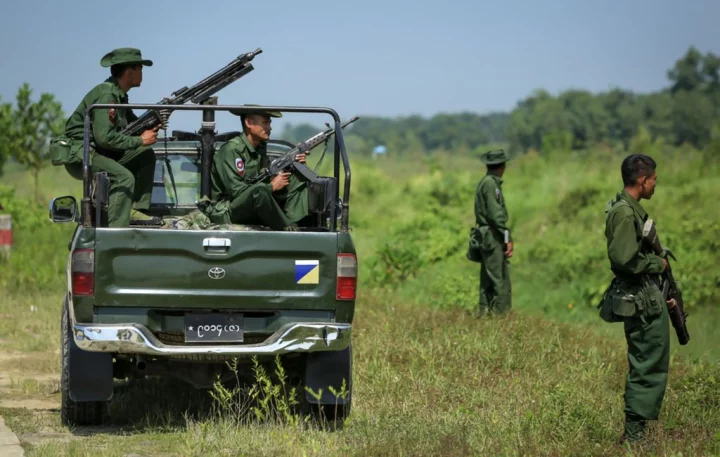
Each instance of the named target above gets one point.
<point>639,280</point>
<point>500,237</point>
<point>482,240</point>
<point>69,151</point>
<point>639,296</point>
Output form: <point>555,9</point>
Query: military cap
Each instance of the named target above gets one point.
<point>124,56</point>
<point>260,112</point>
<point>494,157</point>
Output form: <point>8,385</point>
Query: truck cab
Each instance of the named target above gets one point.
<point>185,298</point>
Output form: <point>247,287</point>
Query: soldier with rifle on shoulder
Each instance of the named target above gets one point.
<point>635,296</point>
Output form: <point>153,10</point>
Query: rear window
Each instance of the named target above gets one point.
<point>185,170</point>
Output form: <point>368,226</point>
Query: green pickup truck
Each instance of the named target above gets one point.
<point>182,300</point>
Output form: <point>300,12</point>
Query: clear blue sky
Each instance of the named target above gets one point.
<point>365,57</point>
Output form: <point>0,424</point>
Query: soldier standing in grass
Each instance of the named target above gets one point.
<point>635,297</point>
<point>495,242</point>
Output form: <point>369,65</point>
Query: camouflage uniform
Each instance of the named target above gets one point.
<point>197,220</point>
<point>491,217</point>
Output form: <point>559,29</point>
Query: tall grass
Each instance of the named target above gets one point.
<point>430,382</point>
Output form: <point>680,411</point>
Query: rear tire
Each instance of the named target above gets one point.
<point>74,413</point>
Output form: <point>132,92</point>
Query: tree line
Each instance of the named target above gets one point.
<point>687,111</point>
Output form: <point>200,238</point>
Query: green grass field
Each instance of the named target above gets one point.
<point>428,378</point>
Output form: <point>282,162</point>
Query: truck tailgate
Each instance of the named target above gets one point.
<point>215,269</point>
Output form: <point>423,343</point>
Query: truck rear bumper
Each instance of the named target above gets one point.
<point>137,339</point>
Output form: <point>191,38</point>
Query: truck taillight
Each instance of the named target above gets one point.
<point>346,277</point>
<point>83,272</point>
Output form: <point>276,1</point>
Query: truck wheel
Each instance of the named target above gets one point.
<point>72,412</point>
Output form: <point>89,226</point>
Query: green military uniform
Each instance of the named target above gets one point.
<point>238,202</point>
<point>491,217</point>
<point>635,298</point>
<point>130,166</point>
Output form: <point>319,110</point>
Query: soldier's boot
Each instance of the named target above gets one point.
<point>483,309</point>
<point>482,312</point>
<point>634,429</point>
<point>140,218</point>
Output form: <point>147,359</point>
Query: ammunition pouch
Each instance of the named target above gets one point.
<point>65,151</point>
<point>630,299</point>
<point>652,299</point>
<point>475,245</point>
<point>619,301</point>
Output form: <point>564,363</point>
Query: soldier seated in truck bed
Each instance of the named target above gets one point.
<point>176,188</point>
<point>279,202</point>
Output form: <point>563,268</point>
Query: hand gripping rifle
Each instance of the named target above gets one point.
<point>199,93</point>
<point>670,289</point>
<point>287,160</point>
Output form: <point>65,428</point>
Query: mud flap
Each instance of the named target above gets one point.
<point>91,374</point>
<point>329,369</point>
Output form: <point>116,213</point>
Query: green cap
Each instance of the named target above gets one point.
<point>124,56</point>
<point>262,113</point>
<point>494,157</point>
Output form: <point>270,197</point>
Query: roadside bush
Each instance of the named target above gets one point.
<point>410,247</point>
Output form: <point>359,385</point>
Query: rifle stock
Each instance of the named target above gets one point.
<point>670,289</point>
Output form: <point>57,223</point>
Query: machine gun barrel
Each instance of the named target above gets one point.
<point>198,93</point>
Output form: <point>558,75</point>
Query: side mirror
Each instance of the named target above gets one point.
<point>63,209</point>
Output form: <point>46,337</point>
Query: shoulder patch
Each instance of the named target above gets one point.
<point>240,166</point>
<point>112,114</point>
<point>497,193</point>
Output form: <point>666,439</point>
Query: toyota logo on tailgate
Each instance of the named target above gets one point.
<point>216,273</point>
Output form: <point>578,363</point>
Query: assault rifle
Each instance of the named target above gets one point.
<point>198,93</point>
<point>287,160</point>
<point>670,289</point>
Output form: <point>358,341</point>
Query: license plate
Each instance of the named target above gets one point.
<point>214,328</point>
